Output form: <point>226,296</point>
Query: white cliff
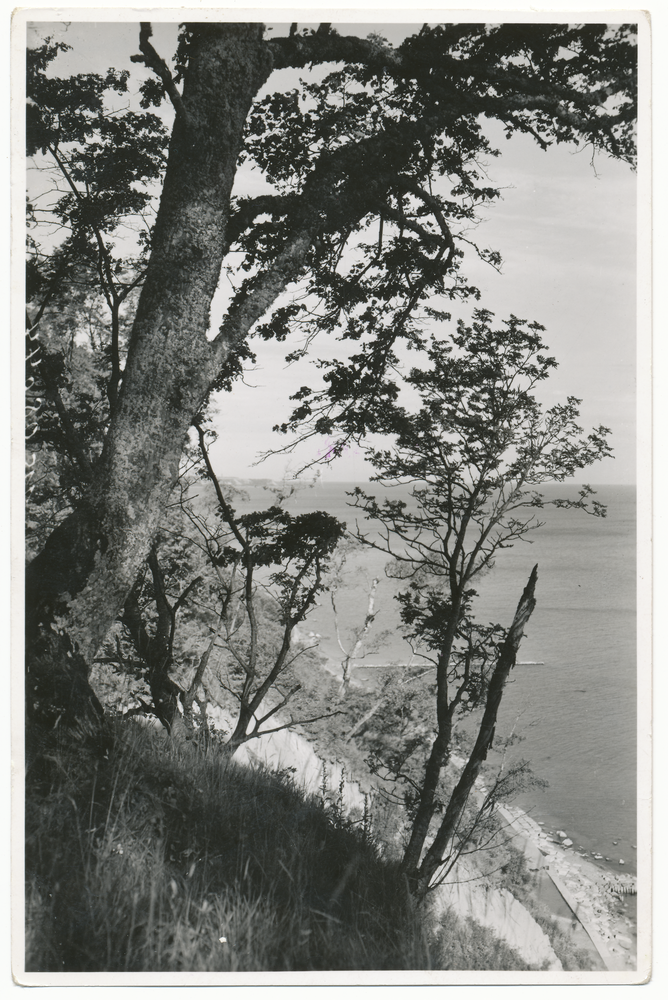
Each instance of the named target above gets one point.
<point>286,749</point>
<point>500,912</point>
<point>495,909</point>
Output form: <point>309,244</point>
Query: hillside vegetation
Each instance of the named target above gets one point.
<point>148,854</point>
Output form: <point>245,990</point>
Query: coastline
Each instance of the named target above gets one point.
<point>601,900</point>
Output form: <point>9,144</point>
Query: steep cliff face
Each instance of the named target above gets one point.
<point>498,910</point>
<point>287,749</point>
<point>495,909</point>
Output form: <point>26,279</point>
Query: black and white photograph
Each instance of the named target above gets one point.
<point>335,464</point>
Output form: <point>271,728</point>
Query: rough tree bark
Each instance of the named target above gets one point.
<point>78,584</point>
<point>88,566</point>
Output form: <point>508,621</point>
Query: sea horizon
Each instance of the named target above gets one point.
<point>576,711</point>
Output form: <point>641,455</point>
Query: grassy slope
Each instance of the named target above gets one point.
<point>141,854</point>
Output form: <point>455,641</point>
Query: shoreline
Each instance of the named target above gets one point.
<point>601,900</point>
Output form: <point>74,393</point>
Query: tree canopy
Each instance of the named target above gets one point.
<point>373,169</point>
<point>475,451</point>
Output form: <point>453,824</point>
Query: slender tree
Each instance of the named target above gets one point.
<point>476,454</point>
<point>377,155</point>
<point>293,552</point>
<point>352,636</point>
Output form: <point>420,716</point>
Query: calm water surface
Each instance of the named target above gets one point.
<point>577,712</point>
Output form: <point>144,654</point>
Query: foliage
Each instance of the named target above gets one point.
<point>239,583</point>
<point>103,163</point>
<point>476,950</point>
<point>89,222</point>
<point>401,134</point>
<point>67,374</point>
<point>102,166</point>
<point>390,138</point>
<point>477,449</point>
<point>285,558</point>
<point>374,172</point>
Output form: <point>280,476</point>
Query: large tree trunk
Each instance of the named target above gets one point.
<point>78,584</point>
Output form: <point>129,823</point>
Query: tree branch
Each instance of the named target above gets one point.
<point>75,446</point>
<point>151,59</point>
<point>298,722</point>
<point>281,704</point>
<point>331,199</point>
<point>248,209</point>
<point>326,45</point>
<point>190,695</point>
<point>106,277</point>
<point>251,304</point>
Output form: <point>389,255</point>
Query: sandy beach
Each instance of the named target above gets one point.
<point>602,900</point>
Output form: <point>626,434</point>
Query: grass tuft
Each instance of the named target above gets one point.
<point>144,854</point>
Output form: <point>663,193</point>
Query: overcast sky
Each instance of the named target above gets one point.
<point>566,230</point>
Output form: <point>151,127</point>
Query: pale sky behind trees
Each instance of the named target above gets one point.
<point>574,273</point>
<point>566,229</point>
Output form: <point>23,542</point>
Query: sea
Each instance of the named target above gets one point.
<point>573,694</point>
